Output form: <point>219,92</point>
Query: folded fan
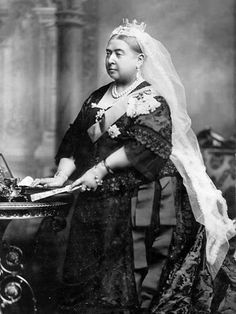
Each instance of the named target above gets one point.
<point>41,195</point>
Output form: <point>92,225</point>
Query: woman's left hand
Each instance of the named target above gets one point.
<point>91,179</point>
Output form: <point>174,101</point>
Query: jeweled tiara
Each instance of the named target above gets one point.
<point>128,27</point>
<point>134,24</point>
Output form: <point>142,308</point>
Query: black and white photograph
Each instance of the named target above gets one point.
<point>117,157</point>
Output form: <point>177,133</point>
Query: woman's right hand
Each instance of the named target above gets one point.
<point>55,182</point>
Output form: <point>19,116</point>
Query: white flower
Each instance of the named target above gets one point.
<point>94,105</point>
<point>131,107</point>
<point>142,103</point>
<point>99,115</point>
<point>113,131</point>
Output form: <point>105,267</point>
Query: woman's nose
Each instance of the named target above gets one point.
<point>111,59</point>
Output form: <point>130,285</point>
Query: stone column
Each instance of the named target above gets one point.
<point>45,152</point>
<point>90,46</point>
<point>70,67</point>
<point>18,99</point>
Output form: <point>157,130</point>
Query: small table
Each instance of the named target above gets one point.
<point>13,286</point>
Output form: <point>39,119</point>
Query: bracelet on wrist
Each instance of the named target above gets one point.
<point>108,168</point>
<point>61,174</point>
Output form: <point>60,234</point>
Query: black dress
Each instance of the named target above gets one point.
<point>98,271</point>
<point>99,265</point>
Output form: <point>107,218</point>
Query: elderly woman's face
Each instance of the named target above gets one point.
<point>121,61</point>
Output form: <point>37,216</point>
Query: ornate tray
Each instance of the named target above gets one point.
<point>24,210</point>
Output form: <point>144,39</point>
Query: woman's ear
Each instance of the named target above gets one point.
<point>140,59</point>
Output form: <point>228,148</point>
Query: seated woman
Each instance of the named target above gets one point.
<point>129,134</point>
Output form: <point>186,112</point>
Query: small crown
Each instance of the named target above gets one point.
<point>127,28</point>
<point>134,24</point>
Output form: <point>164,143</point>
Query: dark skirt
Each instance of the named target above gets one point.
<point>98,271</point>
<point>99,266</point>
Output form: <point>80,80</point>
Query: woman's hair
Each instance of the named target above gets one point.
<point>131,41</point>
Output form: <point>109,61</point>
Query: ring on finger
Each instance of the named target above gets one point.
<point>99,182</point>
<point>83,187</point>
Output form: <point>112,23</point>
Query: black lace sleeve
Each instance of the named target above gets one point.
<point>150,140</point>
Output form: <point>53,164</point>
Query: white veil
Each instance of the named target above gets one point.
<point>208,205</point>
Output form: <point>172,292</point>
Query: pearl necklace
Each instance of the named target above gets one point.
<point>116,95</point>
